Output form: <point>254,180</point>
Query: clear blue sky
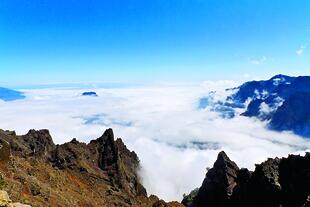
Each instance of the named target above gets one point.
<point>52,41</point>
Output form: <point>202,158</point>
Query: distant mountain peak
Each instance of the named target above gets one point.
<point>263,99</point>
<point>10,95</point>
<point>280,76</point>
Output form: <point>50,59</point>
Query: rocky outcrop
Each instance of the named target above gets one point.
<point>162,203</point>
<point>265,182</point>
<point>39,142</point>
<point>101,173</point>
<point>5,201</point>
<point>128,163</point>
<point>118,164</point>
<point>115,161</point>
<point>106,153</point>
<point>35,171</point>
<point>34,143</point>
<point>5,150</point>
<point>217,187</point>
<point>274,183</point>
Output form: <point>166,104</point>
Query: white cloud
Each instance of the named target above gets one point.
<point>164,122</point>
<point>246,76</point>
<point>259,61</point>
<point>300,50</point>
<point>264,109</point>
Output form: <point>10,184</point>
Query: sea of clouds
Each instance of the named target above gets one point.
<point>174,140</point>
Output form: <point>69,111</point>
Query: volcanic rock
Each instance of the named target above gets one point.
<point>217,187</point>
<point>274,183</point>
<point>5,150</point>
<point>101,173</point>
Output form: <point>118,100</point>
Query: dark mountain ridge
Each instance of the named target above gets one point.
<point>274,183</point>
<point>286,102</point>
<point>282,101</point>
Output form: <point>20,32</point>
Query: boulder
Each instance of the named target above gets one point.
<point>5,201</point>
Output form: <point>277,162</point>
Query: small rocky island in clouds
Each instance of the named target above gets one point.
<point>89,93</point>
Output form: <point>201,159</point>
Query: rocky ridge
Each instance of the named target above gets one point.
<point>282,102</point>
<point>37,172</point>
<point>276,182</point>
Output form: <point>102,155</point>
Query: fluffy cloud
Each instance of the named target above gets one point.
<point>174,140</point>
<point>300,50</point>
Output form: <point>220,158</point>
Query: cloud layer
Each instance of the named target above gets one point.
<point>174,139</point>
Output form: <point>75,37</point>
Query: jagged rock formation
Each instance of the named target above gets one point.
<point>102,173</point>
<point>35,171</point>
<point>219,183</point>
<point>274,183</point>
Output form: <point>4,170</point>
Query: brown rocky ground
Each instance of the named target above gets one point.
<point>102,173</point>
<point>35,171</point>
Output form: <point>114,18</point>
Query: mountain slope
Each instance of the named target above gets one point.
<point>35,171</point>
<point>276,182</point>
<point>282,101</point>
<point>293,114</point>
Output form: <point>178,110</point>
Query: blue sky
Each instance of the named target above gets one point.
<point>43,41</point>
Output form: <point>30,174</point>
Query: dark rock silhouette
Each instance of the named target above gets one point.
<point>294,92</point>
<point>89,93</point>
<point>294,114</point>
<point>219,183</point>
<point>274,183</point>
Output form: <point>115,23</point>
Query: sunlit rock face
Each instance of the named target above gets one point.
<point>103,172</point>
